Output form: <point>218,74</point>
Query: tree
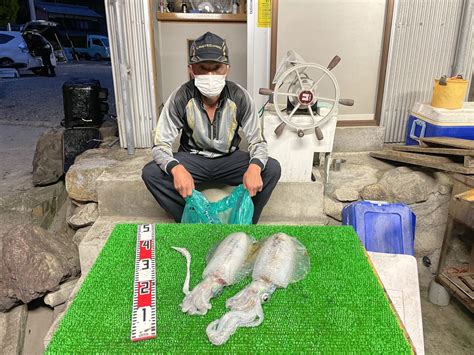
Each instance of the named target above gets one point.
<point>8,11</point>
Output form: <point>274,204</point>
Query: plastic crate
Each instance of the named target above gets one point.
<point>382,227</point>
<point>428,121</point>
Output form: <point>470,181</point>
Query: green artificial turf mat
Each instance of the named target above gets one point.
<point>340,307</point>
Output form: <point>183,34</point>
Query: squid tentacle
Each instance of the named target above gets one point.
<point>220,330</point>
<point>184,252</point>
<point>198,300</point>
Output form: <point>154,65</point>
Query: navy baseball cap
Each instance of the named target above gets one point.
<point>209,47</point>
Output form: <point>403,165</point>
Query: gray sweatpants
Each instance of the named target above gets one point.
<point>227,169</point>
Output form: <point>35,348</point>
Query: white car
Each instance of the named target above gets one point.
<point>14,52</point>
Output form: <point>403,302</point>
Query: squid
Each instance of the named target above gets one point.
<point>281,260</point>
<point>228,264</point>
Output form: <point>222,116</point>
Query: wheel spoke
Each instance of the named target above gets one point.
<point>317,82</point>
<point>293,111</point>
<point>287,94</point>
<point>326,99</point>
<point>299,79</point>
<point>310,110</point>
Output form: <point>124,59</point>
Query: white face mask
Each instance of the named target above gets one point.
<point>210,85</point>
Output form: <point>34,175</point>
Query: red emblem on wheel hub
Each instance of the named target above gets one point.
<point>305,97</point>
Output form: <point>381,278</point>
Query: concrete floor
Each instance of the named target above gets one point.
<point>38,100</point>
<point>447,330</point>
<point>40,318</point>
<point>17,147</point>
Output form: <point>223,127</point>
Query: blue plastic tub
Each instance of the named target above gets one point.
<point>428,121</point>
<point>382,227</point>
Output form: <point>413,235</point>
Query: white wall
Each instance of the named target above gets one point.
<point>352,29</point>
<point>173,53</point>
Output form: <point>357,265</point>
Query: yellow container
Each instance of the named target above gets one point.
<point>450,95</point>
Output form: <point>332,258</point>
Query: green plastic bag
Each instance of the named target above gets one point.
<point>237,208</point>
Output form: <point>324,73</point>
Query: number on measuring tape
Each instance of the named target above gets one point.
<point>146,244</point>
<point>145,264</point>
<point>144,288</point>
<point>146,232</point>
<point>144,308</point>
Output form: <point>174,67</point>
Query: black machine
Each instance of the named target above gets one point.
<point>84,108</point>
<point>84,103</point>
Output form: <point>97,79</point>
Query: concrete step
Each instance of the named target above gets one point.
<point>12,329</point>
<point>121,192</point>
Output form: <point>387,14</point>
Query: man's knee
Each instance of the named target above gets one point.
<point>273,169</point>
<point>151,171</point>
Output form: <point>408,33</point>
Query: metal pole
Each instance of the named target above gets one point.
<point>124,78</point>
<point>459,64</point>
<point>31,3</point>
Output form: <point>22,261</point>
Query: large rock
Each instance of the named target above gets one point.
<point>60,296</point>
<point>48,161</point>
<point>402,185</point>
<point>333,208</point>
<point>375,192</point>
<point>35,262</point>
<point>79,235</point>
<point>84,216</point>
<point>7,294</point>
<point>353,176</point>
<point>82,176</point>
<point>431,218</point>
<point>346,194</point>
<point>49,198</point>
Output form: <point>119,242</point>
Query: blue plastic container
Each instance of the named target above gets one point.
<point>418,128</point>
<point>428,121</point>
<point>382,227</point>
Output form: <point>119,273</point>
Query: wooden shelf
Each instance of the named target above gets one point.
<point>198,17</point>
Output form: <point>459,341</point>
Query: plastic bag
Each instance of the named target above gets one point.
<point>237,208</point>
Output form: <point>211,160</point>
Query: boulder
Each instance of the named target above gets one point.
<point>79,235</point>
<point>353,176</point>
<point>444,189</point>
<point>375,192</point>
<point>7,294</point>
<point>408,186</point>
<point>84,216</point>
<point>346,194</point>
<point>60,296</point>
<point>333,208</point>
<point>431,218</point>
<point>81,177</point>
<point>35,262</point>
<point>48,161</point>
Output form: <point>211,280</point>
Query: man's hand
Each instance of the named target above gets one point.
<point>183,181</point>
<point>253,180</point>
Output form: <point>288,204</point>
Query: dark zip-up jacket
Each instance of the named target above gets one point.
<point>184,111</point>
